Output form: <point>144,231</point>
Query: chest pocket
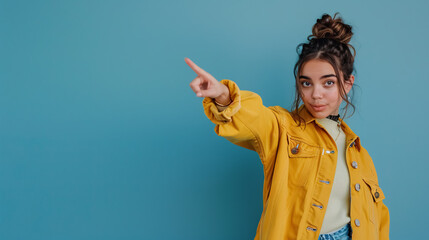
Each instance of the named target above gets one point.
<point>374,196</point>
<point>302,160</point>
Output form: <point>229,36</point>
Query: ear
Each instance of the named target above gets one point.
<point>349,84</point>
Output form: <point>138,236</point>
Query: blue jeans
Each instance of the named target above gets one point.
<point>344,233</point>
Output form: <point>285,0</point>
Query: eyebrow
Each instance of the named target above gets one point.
<point>324,76</point>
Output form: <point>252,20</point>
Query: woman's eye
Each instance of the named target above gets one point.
<point>305,84</point>
<point>329,83</point>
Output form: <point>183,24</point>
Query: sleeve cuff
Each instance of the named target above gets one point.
<point>223,116</point>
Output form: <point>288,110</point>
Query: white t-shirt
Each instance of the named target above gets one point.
<point>338,210</point>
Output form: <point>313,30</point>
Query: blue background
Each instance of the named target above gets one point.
<point>101,136</point>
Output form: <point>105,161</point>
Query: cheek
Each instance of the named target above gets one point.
<point>304,94</point>
<point>334,96</point>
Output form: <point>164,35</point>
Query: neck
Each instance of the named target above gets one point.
<point>334,117</point>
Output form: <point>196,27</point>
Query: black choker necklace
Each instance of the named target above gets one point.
<point>334,117</point>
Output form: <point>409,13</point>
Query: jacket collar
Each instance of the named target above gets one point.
<point>351,138</point>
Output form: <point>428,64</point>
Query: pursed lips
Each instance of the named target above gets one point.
<point>318,107</point>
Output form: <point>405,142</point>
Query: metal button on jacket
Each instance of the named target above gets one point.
<point>354,164</point>
<point>295,150</point>
<point>357,187</point>
<point>376,194</point>
<point>357,222</point>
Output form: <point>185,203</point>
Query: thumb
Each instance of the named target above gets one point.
<point>206,93</point>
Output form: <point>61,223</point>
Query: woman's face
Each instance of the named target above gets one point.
<point>319,86</point>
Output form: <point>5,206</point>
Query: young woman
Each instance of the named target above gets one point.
<point>319,181</point>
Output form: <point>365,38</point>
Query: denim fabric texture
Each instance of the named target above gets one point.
<point>344,233</point>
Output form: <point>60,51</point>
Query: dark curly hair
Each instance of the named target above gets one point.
<point>329,41</point>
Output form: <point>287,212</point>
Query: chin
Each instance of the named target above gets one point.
<point>320,114</point>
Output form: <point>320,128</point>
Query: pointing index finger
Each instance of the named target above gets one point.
<point>194,67</point>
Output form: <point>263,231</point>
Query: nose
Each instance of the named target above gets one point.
<point>317,93</point>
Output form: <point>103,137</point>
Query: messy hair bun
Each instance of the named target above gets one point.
<point>329,41</point>
<point>331,32</point>
<point>333,28</point>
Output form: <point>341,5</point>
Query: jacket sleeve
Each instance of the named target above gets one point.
<point>384,222</point>
<point>246,122</point>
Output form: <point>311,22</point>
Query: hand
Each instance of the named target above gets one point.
<point>205,85</point>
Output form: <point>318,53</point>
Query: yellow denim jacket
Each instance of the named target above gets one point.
<point>299,168</point>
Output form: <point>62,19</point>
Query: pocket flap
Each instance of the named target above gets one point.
<point>376,192</point>
<point>299,148</point>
